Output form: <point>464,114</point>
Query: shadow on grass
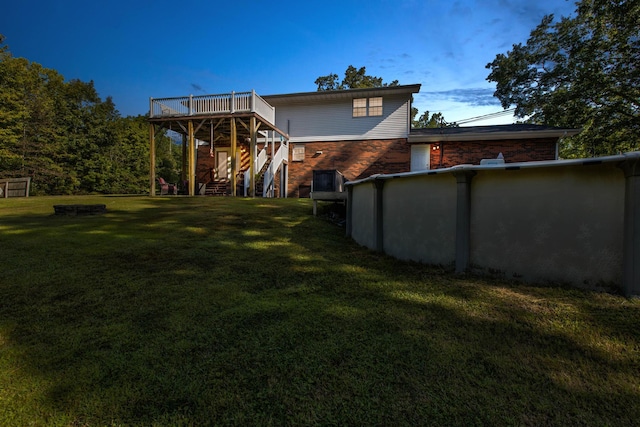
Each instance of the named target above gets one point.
<point>236,311</point>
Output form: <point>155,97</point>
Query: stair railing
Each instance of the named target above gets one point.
<point>260,160</point>
<point>280,157</point>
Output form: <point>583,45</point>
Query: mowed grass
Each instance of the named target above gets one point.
<point>231,311</point>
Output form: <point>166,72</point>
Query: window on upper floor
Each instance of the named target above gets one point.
<point>360,107</point>
<point>375,106</point>
<point>363,107</point>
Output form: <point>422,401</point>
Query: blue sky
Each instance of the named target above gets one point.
<point>140,48</point>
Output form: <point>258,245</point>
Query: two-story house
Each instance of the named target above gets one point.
<point>359,132</point>
<point>245,144</point>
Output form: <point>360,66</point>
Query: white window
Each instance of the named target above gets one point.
<point>298,153</point>
<point>363,107</point>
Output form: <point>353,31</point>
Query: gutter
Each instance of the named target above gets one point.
<point>491,136</point>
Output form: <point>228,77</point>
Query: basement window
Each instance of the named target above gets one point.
<point>298,153</point>
<point>363,107</point>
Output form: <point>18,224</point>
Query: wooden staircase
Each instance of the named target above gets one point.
<point>219,187</point>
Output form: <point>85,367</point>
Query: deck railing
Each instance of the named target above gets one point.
<point>230,103</point>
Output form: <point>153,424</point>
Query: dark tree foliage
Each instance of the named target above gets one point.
<point>427,120</point>
<point>354,78</point>
<point>68,140</point>
<point>583,72</point>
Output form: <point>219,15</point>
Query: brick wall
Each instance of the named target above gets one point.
<point>361,159</point>
<point>355,159</point>
<point>520,150</point>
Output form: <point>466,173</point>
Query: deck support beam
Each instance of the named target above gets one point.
<point>234,149</point>
<point>252,157</point>
<point>183,170</point>
<point>192,162</point>
<point>152,159</point>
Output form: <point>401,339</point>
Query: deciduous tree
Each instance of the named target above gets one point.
<point>427,120</point>
<point>63,136</point>
<point>582,71</point>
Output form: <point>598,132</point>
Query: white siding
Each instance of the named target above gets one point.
<point>331,120</point>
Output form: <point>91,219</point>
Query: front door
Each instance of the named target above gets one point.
<point>223,167</point>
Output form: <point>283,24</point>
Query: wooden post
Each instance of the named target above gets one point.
<point>271,166</point>
<point>192,166</point>
<point>152,160</point>
<point>234,148</point>
<point>283,180</point>
<point>252,157</point>
<point>183,171</point>
<point>349,213</point>
<point>285,176</point>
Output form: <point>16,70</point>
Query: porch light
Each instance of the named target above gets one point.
<point>435,147</point>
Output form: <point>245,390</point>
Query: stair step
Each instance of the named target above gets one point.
<point>217,188</point>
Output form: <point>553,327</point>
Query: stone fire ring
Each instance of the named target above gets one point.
<point>75,210</point>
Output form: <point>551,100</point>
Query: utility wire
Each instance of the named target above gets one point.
<point>486,116</point>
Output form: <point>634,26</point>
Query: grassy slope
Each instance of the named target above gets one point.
<point>172,311</point>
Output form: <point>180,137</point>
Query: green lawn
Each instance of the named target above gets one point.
<point>231,311</point>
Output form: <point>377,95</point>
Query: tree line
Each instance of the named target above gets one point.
<point>67,139</point>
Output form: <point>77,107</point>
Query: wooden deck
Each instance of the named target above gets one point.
<point>226,120</point>
<point>212,105</point>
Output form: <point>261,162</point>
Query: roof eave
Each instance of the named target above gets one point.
<point>343,94</point>
<point>492,136</point>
